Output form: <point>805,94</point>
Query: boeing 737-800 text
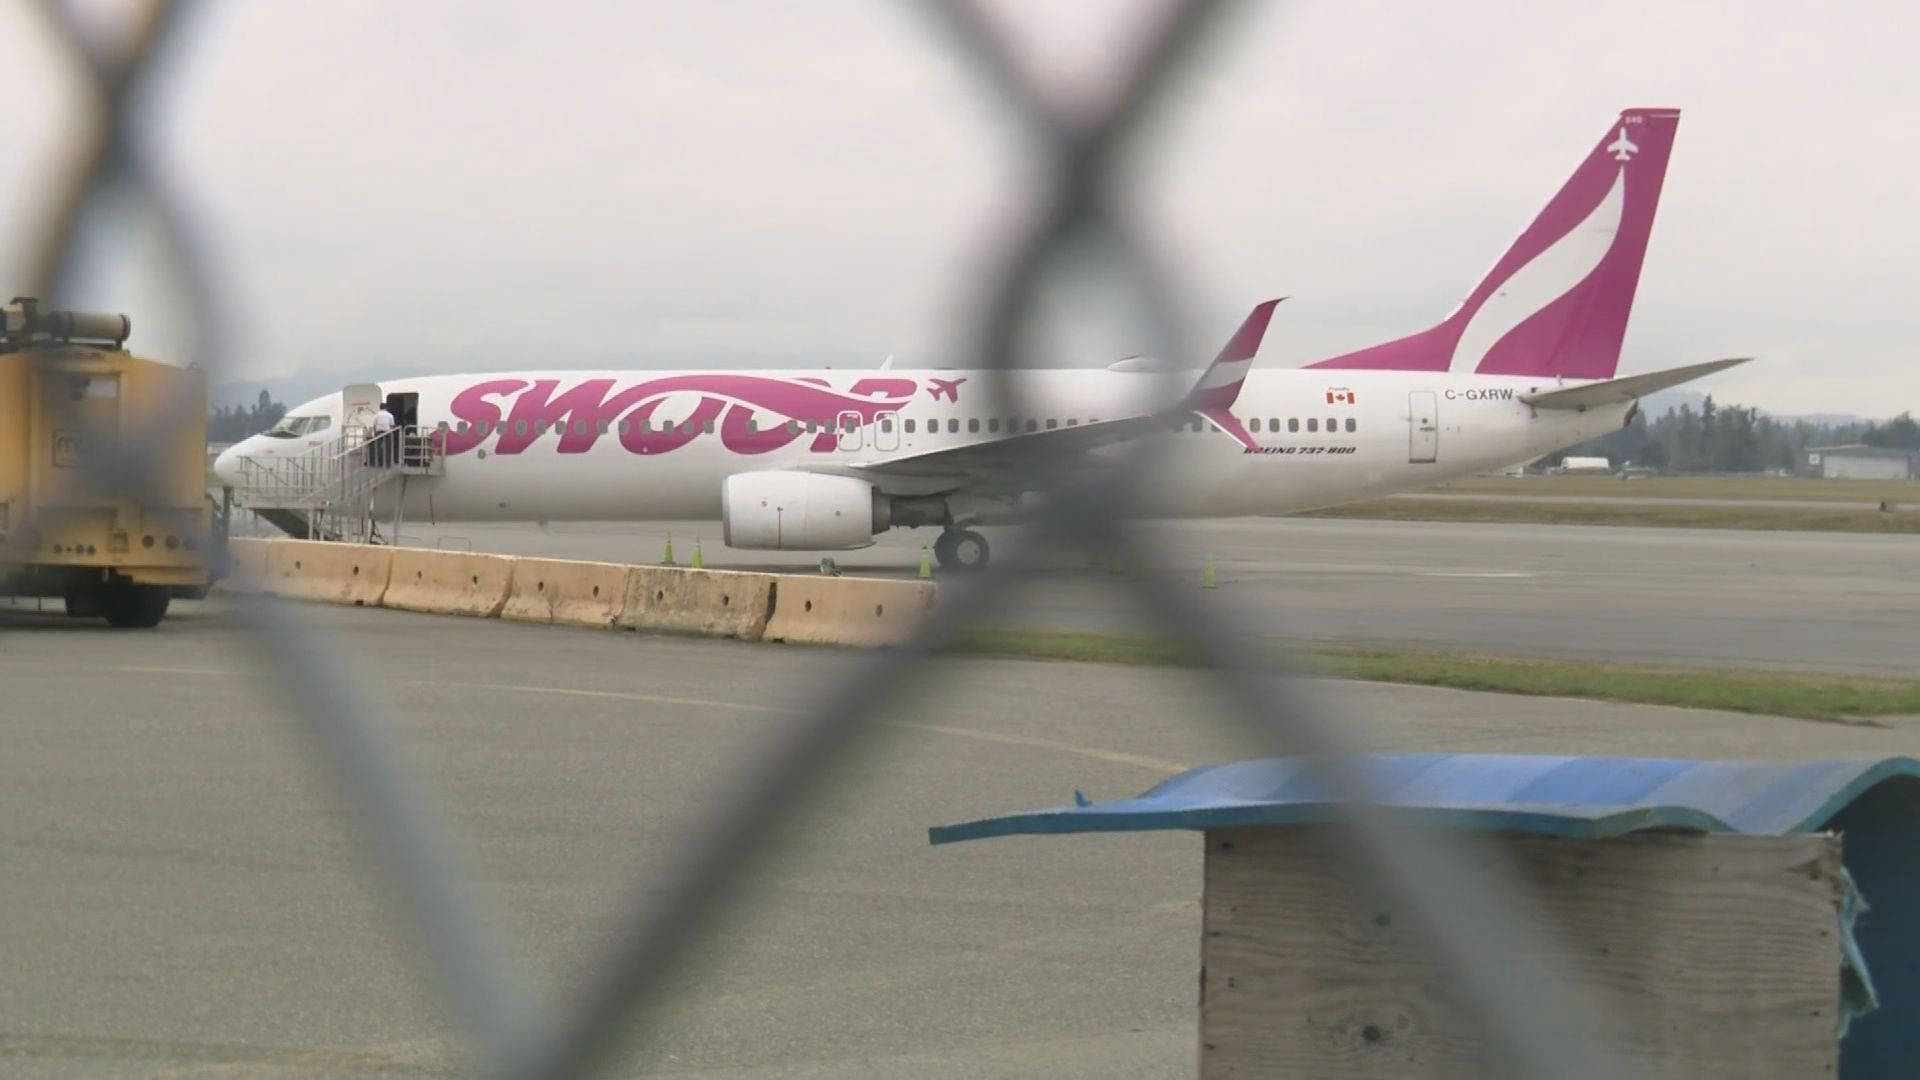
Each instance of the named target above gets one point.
<point>827,460</point>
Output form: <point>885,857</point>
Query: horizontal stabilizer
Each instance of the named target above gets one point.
<point>1620,391</point>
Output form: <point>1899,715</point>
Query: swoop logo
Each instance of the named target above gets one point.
<point>752,414</point>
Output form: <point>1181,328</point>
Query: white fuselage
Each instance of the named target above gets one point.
<point>617,446</point>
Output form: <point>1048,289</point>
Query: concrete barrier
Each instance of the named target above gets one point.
<point>847,610</point>
<point>329,572</point>
<point>713,603</point>
<point>448,582</point>
<point>246,565</point>
<point>560,591</point>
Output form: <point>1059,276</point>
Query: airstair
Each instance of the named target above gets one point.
<point>329,492</point>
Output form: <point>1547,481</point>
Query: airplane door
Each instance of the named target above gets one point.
<point>886,433</point>
<point>359,402</point>
<point>850,430</point>
<point>1423,427</point>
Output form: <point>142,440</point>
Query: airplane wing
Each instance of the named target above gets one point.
<point>1005,464</point>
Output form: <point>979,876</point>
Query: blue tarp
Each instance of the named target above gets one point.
<point>1874,803</point>
<point>1589,797</point>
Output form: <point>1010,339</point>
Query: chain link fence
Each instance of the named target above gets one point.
<point>1471,916</point>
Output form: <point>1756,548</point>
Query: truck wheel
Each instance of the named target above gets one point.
<point>137,606</point>
<point>85,602</point>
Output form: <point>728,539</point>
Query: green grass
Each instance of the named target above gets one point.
<point>1791,488</point>
<point>1601,512</point>
<point>1814,697</point>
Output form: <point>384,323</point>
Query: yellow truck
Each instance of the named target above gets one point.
<point>103,495</point>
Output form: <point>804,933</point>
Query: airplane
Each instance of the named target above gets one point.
<point>827,460</point>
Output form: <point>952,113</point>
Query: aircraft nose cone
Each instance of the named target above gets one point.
<point>226,465</point>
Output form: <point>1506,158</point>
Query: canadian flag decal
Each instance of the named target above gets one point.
<point>1340,397</point>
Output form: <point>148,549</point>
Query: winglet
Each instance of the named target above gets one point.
<point>1219,385</point>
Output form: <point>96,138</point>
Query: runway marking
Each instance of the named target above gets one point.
<point>203,672</point>
<point>1116,757</point>
<point>1475,573</point>
<point>612,695</point>
<point>1112,757</point>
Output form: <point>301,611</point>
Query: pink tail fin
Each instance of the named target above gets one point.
<point>1556,303</point>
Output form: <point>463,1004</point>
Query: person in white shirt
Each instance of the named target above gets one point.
<point>383,440</point>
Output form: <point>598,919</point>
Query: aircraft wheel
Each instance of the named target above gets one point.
<point>962,549</point>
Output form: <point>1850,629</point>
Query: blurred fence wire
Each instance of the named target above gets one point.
<point>1474,915</point>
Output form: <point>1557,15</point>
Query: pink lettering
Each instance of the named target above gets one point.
<point>741,433</point>
<point>756,414</point>
<point>577,412</point>
<point>482,417</point>
<point>640,439</point>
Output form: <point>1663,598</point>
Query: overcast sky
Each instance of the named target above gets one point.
<point>431,186</point>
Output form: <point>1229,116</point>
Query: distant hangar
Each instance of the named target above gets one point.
<point>1860,462</point>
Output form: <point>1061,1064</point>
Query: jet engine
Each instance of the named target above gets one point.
<point>800,511</point>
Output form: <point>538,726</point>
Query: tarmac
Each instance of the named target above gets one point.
<point>1816,601</point>
<point>187,893</point>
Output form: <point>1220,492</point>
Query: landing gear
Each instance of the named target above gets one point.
<point>961,549</point>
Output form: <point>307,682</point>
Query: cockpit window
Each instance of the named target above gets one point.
<point>292,427</point>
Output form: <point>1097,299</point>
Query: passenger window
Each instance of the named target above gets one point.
<point>1073,423</point>
<point>1253,424</point>
<point>953,427</point>
<point>1312,424</point>
<point>753,425</point>
<point>603,427</point>
<point>1033,425</point>
<point>810,427</point>
<point>709,427</point>
<point>519,427</point>
<point>1052,423</point>
<point>646,427</point>
<point>1349,423</point>
<point>886,424</point>
<point>1293,424</point>
<point>793,427</point>
<point>909,427</point>
<point>973,426</point>
<point>579,427</point>
<point>462,429</point>
<point>993,424</point>
<point>626,425</point>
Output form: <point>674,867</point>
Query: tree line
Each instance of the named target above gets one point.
<point>230,424</point>
<point>1735,438</point>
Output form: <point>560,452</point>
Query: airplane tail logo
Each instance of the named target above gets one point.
<point>1623,148</point>
<point>1556,304</point>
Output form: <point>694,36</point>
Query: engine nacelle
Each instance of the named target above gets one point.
<point>800,511</point>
